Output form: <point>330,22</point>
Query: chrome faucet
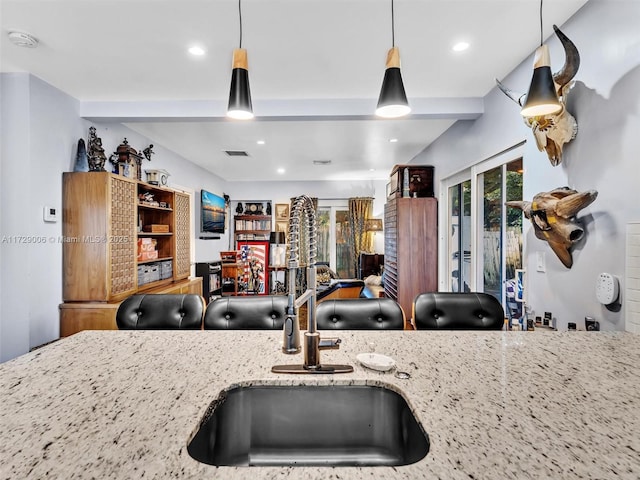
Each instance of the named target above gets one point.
<point>303,216</point>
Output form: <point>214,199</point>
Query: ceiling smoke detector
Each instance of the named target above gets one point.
<point>22,39</point>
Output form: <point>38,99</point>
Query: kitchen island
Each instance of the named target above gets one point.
<point>495,405</point>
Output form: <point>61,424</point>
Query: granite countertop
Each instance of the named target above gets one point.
<point>495,405</point>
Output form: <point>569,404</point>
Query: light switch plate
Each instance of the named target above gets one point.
<point>540,262</point>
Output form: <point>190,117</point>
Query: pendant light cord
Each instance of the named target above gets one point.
<point>541,23</point>
<point>240,16</point>
<point>393,29</point>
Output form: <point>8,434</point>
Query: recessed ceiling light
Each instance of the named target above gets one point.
<point>372,169</point>
<point>196,51</point>
<point>260,142</point>
<point>393,140</point>
<point>281,171</point>
<point>460,47</point>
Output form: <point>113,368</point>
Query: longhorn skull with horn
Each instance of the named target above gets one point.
<point>553,131</point>
<point>552,215</point>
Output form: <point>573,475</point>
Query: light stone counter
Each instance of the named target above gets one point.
<point>495,405</point>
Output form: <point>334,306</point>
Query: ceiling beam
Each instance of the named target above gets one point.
<point>332,109</point>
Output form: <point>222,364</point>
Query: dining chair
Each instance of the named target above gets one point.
<point>457,311</point>
<point>259,312</point>
<point>161,312</point>
<point>360,314</point>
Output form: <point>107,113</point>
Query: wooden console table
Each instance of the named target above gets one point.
<point>77,316</point>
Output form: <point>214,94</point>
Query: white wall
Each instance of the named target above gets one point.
<point>603,157</point>
<point>40,126</point>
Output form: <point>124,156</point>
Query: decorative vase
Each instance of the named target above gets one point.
<point>82,162</point>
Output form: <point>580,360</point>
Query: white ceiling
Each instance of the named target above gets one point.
<point>315,68</point>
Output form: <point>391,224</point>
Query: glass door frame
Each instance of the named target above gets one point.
<point>333,205</point>
<point>444,275</point>
<point>474,174</point>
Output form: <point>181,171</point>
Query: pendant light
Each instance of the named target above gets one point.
<point>542,98</point>
<point>392,102</point>
<point>239,94</point>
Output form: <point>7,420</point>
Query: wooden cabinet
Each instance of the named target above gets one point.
<point>99,237</point>
<point>410,249</point>
<point>121,236</point>
<point>231,272</point>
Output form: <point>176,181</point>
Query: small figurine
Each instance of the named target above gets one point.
<point>95,156</point>
<point>147,152</point>
<point>113,160</point>
<point>268,208</point>
<point>239,208</point>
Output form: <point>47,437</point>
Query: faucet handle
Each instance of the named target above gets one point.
<point>329,343</point>
<point>291,331</point>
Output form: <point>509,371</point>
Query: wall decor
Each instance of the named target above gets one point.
<point>95,154</point>
<point>254,255</point>
<point>552,131</point>
<point>552,215</point>
<point>282,227</point>
<point>282,212</point>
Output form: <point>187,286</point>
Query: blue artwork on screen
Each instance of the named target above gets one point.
<point>213,212</point>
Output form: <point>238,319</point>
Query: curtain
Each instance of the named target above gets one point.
<point>360,209</point>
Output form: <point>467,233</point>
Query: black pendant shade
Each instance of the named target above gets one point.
<point>392,101</point>
<point>240,94</point>
<point>542,98</point>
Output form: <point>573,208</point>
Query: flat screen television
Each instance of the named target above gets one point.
<point>212,212</point>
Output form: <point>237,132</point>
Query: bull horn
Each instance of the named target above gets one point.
<point>572,204</point>
<point>519,99</point>
<point>571,63</point>
<point>522,205</point>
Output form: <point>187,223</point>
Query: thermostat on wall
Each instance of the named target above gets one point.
<point>607,288</point>
<point>50,214</point>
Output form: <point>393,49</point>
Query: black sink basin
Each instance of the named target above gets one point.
<point>337,425</point>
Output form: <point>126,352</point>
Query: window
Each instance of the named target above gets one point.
<point>334,247</point>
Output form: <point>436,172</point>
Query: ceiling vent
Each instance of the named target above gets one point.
<point>322,162</point>
<point>236,153</point>
<point>22,39</point>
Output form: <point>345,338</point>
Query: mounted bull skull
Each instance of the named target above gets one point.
<point>553,131</point>
<point>553,217</point>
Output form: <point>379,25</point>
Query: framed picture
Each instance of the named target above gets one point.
<point>254,257</point>
<point>282,212</point>
<point>282,227</point>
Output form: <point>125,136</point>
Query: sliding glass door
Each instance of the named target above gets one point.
<point>484,243</point>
